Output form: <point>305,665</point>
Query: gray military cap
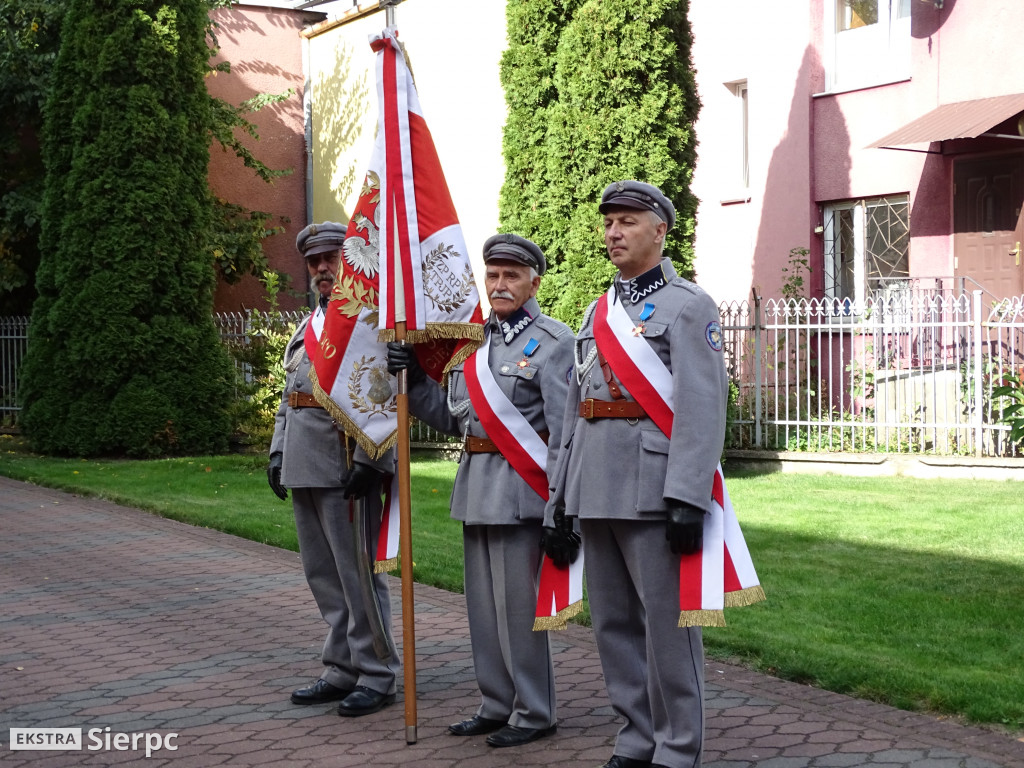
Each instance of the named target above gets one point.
<point>637,194</point>
<point>318,238</point>
<point>515,248</point>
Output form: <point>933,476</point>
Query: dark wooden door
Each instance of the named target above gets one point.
<point>988,196</point>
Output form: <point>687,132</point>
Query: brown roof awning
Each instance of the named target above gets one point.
<point>960,120</point>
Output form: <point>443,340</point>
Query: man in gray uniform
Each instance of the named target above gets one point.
<point>632,485</point>
<point>308,455</point>
<point>528,357</point>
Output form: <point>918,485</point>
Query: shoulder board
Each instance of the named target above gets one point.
<point>555,328</point>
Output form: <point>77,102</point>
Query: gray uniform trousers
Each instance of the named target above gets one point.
<point>314,469</point>
<point>614,476</point>
<point>502,519</point>
<point>657,675</point>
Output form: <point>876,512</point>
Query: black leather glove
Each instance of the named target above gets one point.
<point>274,476</point>
<point>361,479</point>
<point>560,542</point>
<point>685,531</point>
<point>402,357</point>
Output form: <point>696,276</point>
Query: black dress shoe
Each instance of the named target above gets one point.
<point>618,761</point>
<point>364,701</point>
<point>318,693</point>
<point>476,726</point>
<point>514,736</point>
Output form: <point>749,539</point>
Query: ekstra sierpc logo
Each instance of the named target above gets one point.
<point>96,739</point>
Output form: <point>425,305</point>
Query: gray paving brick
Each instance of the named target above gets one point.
<point>145,624</point>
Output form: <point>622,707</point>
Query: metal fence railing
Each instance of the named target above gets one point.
<point>13,343</point>
<point>901,374</point>
<point>908,371</point>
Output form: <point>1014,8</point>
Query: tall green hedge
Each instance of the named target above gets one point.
<point>621,103</point>
<point>528,76</point>
<point>123,356</point>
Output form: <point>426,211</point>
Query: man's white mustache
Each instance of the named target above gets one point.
<point>502,295</point>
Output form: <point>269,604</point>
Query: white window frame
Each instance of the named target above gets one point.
<point>870,55</point>
<point>833,257</point>
<point>742,92</point>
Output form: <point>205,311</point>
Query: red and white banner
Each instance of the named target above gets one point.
<point>426,279</point>
<point>404,212</point>
<point>722,573</point>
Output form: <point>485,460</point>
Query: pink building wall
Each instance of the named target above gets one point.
<point>808,146</point>
<point>264,48</point>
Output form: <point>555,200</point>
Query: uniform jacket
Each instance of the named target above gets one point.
<point>487,489</point>
<point>612,468</point>
<point>313,456</point>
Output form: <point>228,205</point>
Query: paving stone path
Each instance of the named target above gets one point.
<point>112,618</point>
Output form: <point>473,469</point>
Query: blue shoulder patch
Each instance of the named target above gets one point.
<point>713,333</point>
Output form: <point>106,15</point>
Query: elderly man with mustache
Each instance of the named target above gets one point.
<point>518,381</point>
<point>308,455</point>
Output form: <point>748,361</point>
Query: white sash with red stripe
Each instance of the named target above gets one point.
<point>722,573</point>
<point>560,593</point>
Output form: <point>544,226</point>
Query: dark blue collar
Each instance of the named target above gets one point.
<point>514,324</point>
<point>635,290</point>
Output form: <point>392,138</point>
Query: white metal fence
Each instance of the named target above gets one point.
<point>907,372</point>
<point>910,371</point>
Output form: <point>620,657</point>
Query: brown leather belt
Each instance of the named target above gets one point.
<point>486,445</point>
<point>611,409</point>
<point>302,400</point>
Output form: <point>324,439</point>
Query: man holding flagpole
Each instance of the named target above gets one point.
<point>507,402</point>
<point>310,455</point>
<point>644,429</point>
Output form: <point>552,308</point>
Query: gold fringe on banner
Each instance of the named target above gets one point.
<point>348,426</point>
<point>701,618</point>
<point>471,331</point>
<point>744,597</point>
<point>384,566</point>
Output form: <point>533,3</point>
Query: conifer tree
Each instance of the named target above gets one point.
<point>624,106</point>
<point>123,356</point>
<point>528,75</point>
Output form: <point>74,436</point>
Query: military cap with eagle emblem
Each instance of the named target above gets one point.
<point>515,248</point>
<point>638,194</point>
<point>322,237</point>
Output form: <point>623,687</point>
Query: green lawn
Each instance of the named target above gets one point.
<point>908,592</point>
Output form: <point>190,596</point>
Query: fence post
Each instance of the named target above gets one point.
<point>977,362</point>
<point>757,371</point>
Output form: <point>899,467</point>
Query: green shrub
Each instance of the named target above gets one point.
<point>123,355</point>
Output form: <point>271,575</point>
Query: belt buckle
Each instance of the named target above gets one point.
<point>293,399</point>
<point>588,408</point>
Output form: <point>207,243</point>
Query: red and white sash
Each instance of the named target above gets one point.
<point>386,558</point>
<point>518,442</point>
<point>560,592</point>
<point>314,327</point>
<point>722,573</point>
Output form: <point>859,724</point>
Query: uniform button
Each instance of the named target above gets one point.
<point>504,369</point>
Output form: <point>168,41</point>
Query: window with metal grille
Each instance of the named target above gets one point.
<point>867,243</point>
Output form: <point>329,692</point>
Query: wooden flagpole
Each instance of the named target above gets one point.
<point>404,482</point>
